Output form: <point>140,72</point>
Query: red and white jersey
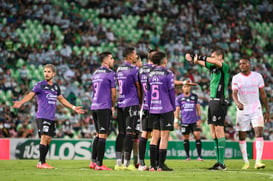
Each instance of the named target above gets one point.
<point>248,90</point>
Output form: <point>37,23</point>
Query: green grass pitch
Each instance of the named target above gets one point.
<point>25,170</point>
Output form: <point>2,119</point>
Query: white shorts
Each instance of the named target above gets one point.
<point>243,120</point>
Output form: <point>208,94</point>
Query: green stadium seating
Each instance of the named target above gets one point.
<point>20,62</point>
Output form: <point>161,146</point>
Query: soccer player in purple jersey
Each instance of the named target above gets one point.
<point>138,63</point>
<point>187,104</point>
<point>147,128</point>
<point>104,98</point>
<point>161,102</point>
<point>129,100</point>
<point>47,94</point>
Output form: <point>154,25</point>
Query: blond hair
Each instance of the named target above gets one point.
<point>51,66</point>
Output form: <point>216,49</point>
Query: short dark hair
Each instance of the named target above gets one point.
<point>245,57</point>
<point>219,51</point>
<point>127,51</point>
<point>158,58</point>
<point>103,55</point>
<point>150,51</point>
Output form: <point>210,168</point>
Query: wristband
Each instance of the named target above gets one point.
<point>176,120</point>
<point>73,108</point>
<point>203,58</point>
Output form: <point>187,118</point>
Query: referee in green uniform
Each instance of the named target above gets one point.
<point>220,73</point>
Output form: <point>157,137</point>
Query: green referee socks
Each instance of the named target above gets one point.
<point>215,141</point>
<point>221,149</point>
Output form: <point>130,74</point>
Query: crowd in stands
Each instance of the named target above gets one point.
<point>70,34</point>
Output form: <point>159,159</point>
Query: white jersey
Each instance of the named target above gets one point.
<point>248,90</point>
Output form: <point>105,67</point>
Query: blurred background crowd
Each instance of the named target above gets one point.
<point>70,34</point>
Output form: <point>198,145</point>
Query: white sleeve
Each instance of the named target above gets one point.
<point>234,84</point>
<point>260,81</point>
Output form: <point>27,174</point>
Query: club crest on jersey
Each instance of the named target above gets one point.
<point>214,118</point>
<point>144,77</point>
<point>155,79</point>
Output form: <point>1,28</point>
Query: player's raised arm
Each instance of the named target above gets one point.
<point>201,60</point>
<point>68,105</point>
<point>28,97</point>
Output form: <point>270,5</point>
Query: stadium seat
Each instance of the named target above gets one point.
<point>8,95</point>
<point>32,83</point>
<point>20,62</point>
<point>15,74</point>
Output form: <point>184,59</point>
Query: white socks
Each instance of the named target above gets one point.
<point>243,149</point>
<point>259,148</point>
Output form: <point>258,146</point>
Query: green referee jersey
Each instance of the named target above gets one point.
<point>219,80</point>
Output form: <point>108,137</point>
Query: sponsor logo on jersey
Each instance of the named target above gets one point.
<point>168,125</point>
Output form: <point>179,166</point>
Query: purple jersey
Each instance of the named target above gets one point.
<point>46,98</point>
<point>127,76</point>
<point>103,80</point>
<point>143,74</point>
<point>187,107</point>
<point>161,96</point>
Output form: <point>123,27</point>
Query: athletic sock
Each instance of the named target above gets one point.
<point>128,143</point>
<point>162,156</point>
<point>142,150</point>
<point>128,146</point>
<point>119,142</point>
<point>119,148</point>
<point>198,144</point>
<point>100,151</point>
<point>157,155</point>
<point>259,148</point>
<point>43,151</point>
<point>153,155</point>
<point>221,149</point>
<point>94,149</point>
<point>242,145</point>
<point>127,156</point>
<point>47,146</point>
<point>135,150</point>
<point>187,147</point>
<point>215,141</point>
<point>119,158</point>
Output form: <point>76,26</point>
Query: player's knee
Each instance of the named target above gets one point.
<point>258,134</point>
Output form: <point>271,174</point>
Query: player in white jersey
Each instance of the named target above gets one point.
<point>247,87</point>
